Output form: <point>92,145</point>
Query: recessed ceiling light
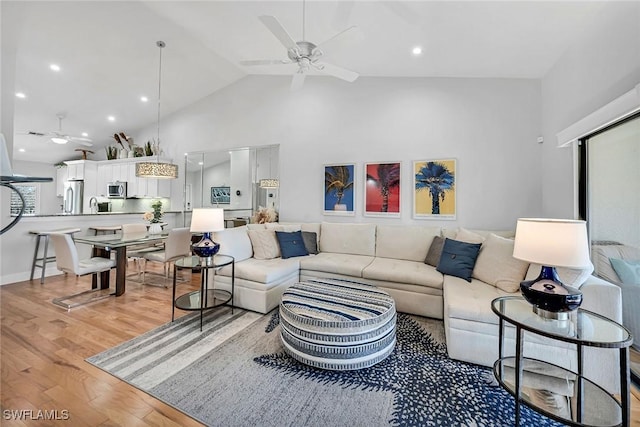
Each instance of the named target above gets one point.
<point>85,134</point>
<point>22,150</point>
<point>416,51</point>
<point>20,95</point>
<point>144,99</point>
<point>111,119</point>
<point>54,67</point>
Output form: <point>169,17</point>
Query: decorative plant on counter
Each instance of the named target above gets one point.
<point>155,216</point>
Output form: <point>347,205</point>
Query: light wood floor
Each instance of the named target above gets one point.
<point>43,348</point>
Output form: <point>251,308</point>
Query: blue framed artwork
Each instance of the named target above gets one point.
<point>339,189</point>
<point>220,195</point>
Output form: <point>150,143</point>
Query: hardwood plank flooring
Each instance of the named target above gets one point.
<point>43,347</point>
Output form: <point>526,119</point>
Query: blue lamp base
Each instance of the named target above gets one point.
<point>551,298</point>
<point>206,248</point>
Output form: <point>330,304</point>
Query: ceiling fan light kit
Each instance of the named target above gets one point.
<point>157,169</point>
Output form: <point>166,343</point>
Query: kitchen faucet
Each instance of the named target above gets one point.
<point>93,205</point>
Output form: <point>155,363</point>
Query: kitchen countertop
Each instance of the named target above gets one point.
<point>93,214</point>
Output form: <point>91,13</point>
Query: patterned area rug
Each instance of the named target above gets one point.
<point>235,373</point>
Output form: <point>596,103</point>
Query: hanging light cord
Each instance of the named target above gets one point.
<point>160,44</point>
<point>303,32</point>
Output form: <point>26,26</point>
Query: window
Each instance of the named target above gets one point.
<point>610,182</point>
<point>31,200</point>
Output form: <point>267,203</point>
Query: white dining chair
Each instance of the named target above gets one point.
<point>136,253</point>
<point>68,261</point>
<point>177,245</point>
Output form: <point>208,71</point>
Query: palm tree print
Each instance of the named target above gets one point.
<point>388,178</point>
<point>438,180</point>
<point>337,180</point>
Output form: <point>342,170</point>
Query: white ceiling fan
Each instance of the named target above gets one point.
<point>304,53</point>
<point>60,137</point>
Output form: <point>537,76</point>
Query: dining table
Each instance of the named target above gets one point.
<point>104,244</point>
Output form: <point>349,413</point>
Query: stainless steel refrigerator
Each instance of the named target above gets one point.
<point>73,194</point>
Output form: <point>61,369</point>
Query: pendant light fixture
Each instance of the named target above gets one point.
<point>157,169</point>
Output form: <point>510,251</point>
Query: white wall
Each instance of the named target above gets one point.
<point>49,202</point>
<point>489,125</point>
<point>602,65</point>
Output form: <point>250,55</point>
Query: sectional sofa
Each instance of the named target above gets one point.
<point>394,258</point>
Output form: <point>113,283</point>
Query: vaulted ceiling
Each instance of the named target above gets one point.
<point>108,56</point>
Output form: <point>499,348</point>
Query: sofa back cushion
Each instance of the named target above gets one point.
<point>356,239</point>
<point>406,242</point>
<point>497,266</point>
<point>601,254</point>
<point>234,242</point>
<point>452,233</point>
<point>265,244</point>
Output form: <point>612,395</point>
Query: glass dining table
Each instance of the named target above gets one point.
<point>104,244</point>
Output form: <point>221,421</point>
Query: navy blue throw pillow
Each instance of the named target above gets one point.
<point>458,258</point>
<point>291,244</point>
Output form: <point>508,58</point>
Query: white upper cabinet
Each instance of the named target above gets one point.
<point>125,170</point>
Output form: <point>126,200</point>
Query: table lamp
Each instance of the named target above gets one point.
<point>552,243</point>
<point>206,221</point>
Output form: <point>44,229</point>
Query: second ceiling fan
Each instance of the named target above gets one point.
<point>305,54</point>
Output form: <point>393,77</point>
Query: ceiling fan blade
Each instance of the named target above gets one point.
<point>351,33</point>
<point>81,142</point>
<point>278,30</point>
<point>297,81</point>
<point>79,138</point>
<point>32,133</point>
<point>339,72</point>
<point>266,62</point>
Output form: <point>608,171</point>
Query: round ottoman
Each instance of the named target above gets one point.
<point>337,324</point>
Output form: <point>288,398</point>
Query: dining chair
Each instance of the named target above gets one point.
<point>177,245</point>
<point>136,252</point>
<point>68,261</point>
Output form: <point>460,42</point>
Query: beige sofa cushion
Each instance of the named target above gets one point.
<point>464,235</point>
<point>600,255</point>
<point>402,271</point>
<point>265,244</point>
<point>404,242</point>
<point>497,266</point>
<point>264,270</point>
<point>234,242</point>
<point>470,301</point>
<point>350,265</point>
<point>355,239</point>
<point>451,233</point>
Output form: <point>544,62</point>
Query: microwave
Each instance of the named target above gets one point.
<point>117,189</point>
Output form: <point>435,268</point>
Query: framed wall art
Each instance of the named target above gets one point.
<point>434,189</point>
<point>339,189</point>
<point>220,195</point>
<point>382,189</point>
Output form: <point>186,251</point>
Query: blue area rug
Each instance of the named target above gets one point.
<point>429,388</point>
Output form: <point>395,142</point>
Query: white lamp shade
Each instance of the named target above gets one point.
<point>205,220</point>
<point>552,242</point>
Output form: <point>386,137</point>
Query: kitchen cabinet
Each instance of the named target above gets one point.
<point>125,170</point>
<point>77,170</point>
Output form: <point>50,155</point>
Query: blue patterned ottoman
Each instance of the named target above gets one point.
<point>337,324</point>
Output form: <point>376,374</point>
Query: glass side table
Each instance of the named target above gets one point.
<point>536,383</point>
<point>206,297</point>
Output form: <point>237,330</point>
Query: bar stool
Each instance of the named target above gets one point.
<point>44,234</point>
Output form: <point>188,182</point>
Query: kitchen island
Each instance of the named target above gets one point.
<point>17,245</point>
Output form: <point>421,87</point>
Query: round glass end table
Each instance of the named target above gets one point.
<point>207,297</point>
<point>552,390</point>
